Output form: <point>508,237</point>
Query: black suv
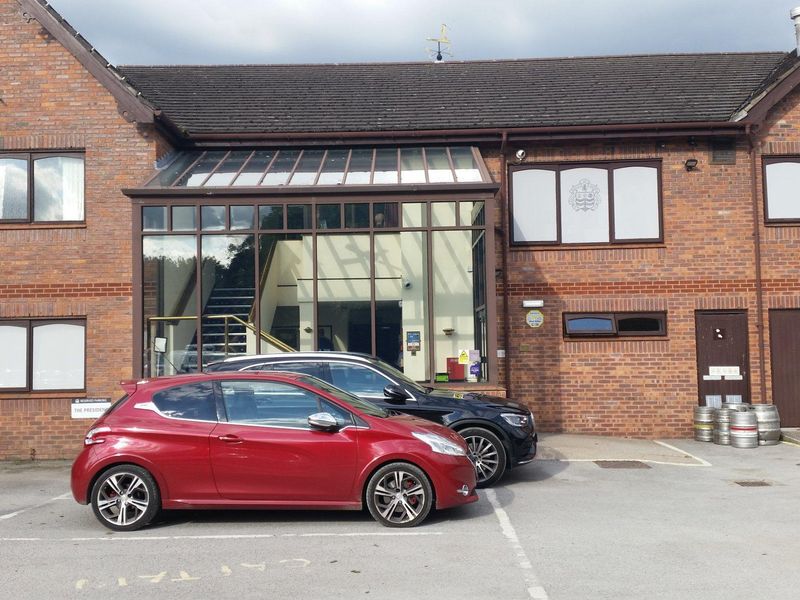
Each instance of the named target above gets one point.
<point>500,433</point>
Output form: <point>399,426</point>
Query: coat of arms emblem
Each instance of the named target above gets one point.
<point>584,196</point>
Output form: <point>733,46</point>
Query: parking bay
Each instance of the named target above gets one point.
<point>714,522</point>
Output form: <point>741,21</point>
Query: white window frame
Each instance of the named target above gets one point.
<point>610,167</point>
<point>776,160</point>
<point>30,324</point>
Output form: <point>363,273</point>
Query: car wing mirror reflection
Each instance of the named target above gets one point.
<point>324,421</point>
<point>395,394</point>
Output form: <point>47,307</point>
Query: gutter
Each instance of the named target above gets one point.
<point>503,194</point>
<point>704,128</point>
<point>759,278</point>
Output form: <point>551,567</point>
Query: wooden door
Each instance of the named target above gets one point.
<point>784,334</point>
<point>722,357</point>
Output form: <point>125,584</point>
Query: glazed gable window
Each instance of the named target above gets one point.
<point>42,355</point>
<point>41,188</point>
<point>596,203</point>
<point>578,325</point>
<point>782,189</point>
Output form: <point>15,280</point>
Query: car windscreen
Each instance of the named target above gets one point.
<point>402,377</point>
<point>364,406</point>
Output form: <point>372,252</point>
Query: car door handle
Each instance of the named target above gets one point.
<point>230,439</point>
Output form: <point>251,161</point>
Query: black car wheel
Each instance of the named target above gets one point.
<point>488,454</point>
<point>125,498</point>
<point>399,495</point>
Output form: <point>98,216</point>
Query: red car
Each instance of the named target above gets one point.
<point>264,440</point>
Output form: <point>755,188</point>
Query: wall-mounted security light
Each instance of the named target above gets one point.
<point>520,155</point>
<point>690,164</point>
<point>532,303</point>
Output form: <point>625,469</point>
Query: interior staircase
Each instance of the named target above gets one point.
<point>235,301</point>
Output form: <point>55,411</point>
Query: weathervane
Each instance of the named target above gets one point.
<point>441,40</point>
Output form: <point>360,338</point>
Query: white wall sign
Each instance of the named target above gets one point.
<point>723,371</point>
<point>718,373</point>
<point>89,408</point>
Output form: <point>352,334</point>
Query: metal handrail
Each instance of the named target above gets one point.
<point>264,335</point>
<point>284,347</point>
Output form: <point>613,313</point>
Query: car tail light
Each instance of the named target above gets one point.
<point>95,436</point>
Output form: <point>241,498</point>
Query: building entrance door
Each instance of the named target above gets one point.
<point>722,357</point>
<point>784,335</point>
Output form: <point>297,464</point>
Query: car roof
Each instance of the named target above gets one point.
<point>316,355</point>
<point>170,380</point>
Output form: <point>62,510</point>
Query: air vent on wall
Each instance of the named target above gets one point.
<point>723,151</point>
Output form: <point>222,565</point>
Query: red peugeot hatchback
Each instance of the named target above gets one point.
<point>264,440</point>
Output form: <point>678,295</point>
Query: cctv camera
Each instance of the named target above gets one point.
<point>521,154</point>
<point>406,283</point>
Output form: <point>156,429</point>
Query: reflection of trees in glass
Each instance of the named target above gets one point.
<point>232,257</point>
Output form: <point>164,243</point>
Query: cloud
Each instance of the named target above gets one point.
<point>294,31</point>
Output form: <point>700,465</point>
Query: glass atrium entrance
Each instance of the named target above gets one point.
<point>398,275</point>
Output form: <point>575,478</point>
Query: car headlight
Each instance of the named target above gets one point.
<point>439,444</point>
<point>516,419</point>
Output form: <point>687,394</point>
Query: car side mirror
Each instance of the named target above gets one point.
<point>324,421</point>
<point>395,393</point>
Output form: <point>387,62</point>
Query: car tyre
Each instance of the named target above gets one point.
<point>488,455</point>
<point>399,495</point>
<point>125,498</point>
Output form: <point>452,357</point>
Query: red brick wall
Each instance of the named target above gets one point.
<point>643,387</point>
<point>780,244</point>
<point>49,101</point>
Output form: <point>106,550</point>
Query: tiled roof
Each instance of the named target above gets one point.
<point>396,97</point>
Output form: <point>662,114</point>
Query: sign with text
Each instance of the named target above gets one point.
<point>413,341</point>
<point>534,318</point>
<point>89,408</point>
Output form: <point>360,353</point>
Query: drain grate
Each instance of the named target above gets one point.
<point>755,483</point>
<point>621,464</point>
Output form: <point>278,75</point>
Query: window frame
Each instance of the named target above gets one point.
<point>30,158</point>
<point>480,205</point>
<point>609,166</point>
<point>30,324</point>
<point>615,317</point>
<point>768,160</point>
<point>319,398</point>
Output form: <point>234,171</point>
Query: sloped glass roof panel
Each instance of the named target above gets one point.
<point>255,168</point>
<point>320,167</point>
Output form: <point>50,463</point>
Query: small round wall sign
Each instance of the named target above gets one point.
<point>534,318</point>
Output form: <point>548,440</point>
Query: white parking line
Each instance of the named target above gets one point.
<point>11,515</point>
<point>703,463</point>
<point>535,589</point>
<point>635,460</point>
<point>251,536</point>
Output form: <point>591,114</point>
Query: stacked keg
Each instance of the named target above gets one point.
<point>703,423</point>
<point>744,429</point>
<point>739,425</point>
<point>722,423</point>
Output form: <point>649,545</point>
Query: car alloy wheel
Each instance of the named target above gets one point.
<point>399,495</point>
<point>488,454</point>
<point>125,498</point>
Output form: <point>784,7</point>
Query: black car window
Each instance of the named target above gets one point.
<point>269,403</point>
<point>358,380</point>
<point>304,367</point>
<point>364,406</point>
<point>189,401</point>
<point>259,367</point>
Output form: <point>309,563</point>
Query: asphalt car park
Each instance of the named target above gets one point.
<point>589,518</point>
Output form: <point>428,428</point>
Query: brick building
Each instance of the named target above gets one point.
<point>614,238</point>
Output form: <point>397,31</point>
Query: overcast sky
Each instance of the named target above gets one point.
<point>292,31</point>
